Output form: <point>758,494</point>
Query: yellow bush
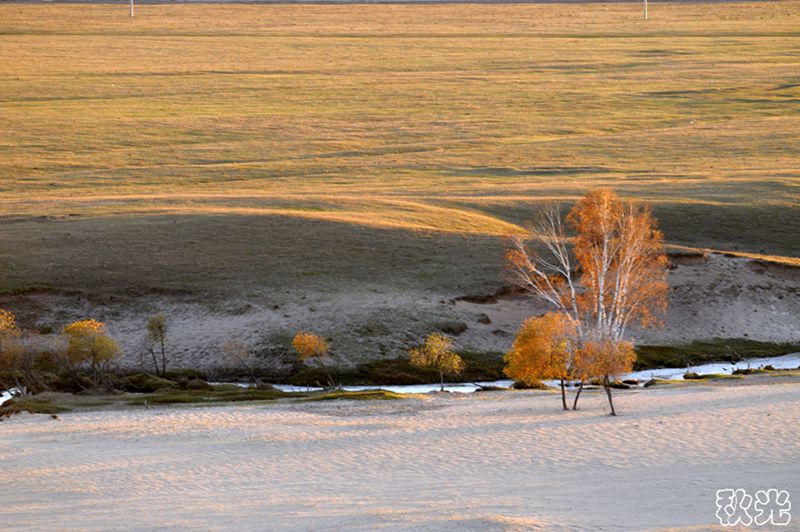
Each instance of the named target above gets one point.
<point>437,353</point>
<point>309,345</point>
<point>87,341</point>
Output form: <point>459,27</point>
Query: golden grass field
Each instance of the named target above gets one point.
<point>444,117</point>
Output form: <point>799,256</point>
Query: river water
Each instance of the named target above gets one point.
<point>783,362</point>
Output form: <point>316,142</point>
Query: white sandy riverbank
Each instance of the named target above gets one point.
<point>479,461</point>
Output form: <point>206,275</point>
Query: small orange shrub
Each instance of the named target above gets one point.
<point>309,345</point>
<point>8,322</point>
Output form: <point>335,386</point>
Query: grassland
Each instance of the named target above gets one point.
<point>350,168</point>
<point>445,117</point>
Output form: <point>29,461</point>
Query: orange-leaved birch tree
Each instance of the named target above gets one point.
<point>544,348</point>
<point>604,266</point>
<point>606,359</point>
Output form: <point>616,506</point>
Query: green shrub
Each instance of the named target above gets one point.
<point>185,373</point>
<point>197,384</point>
<point>749,371</point>
<point>224,388</point>
<point>46,362</point>
<point>396,371</point>
<point>48,379</point>
<point>143,383</point>
<point>71,383</point>
<point>314,376</point>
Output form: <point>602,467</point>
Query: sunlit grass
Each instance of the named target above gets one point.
<point>424,117</point>
<point>363,395</point>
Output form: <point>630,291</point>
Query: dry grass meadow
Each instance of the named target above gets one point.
<point>447,117</point>
<point>279,149</point>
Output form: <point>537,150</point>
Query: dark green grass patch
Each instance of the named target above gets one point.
<point>34,405</point>
<point>750,371</point>
<point>691,376</point>
<point>192,397</point>
<point>399,371</point>
<point>702,352</point>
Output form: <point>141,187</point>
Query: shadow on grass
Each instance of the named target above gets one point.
<point>173,396</point>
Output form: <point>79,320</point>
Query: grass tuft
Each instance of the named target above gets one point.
<point>691,376</point>
<point>363,395</point>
